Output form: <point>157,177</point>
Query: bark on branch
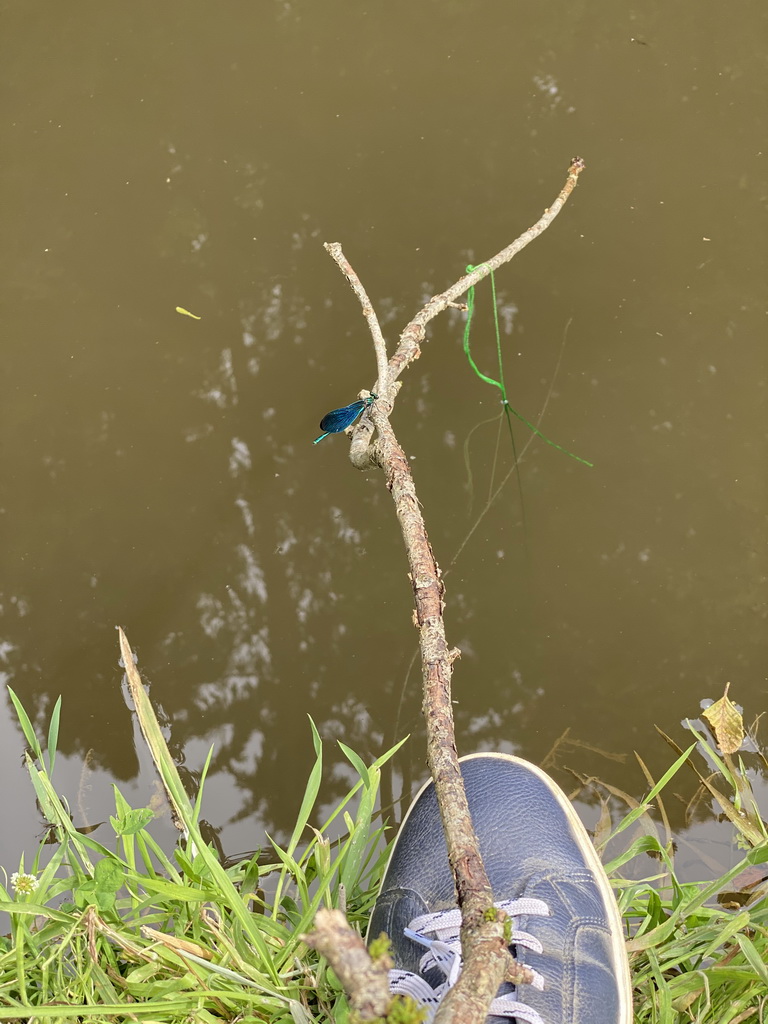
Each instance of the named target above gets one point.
<point>364,980</point>
<point>486,960</point>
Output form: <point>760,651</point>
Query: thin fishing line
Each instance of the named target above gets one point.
<point>489,380</point>
<point>401,701</point>
<point>469,485</point>
<point>516,463</point>
<point>538,433</point>
<point>500,384</point>
<point>516,467</point>
<point>524,449</point>
<point>496,455</point>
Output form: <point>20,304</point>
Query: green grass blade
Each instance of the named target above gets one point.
<point>378,763</point>
<point>203,777</point>
<point>15,909</point>
<point>356,761</point>
<point>307,804</point>
<point>358,841</point>
<point>26,726</point>
<point>53,734</point>
<point>756,961</point>
<point>180,801</point>
<point>638,812</point>
<point>310,792</point>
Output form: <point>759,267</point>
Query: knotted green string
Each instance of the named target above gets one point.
<point>500,383</point>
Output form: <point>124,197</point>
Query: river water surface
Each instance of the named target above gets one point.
<point>158,471</point>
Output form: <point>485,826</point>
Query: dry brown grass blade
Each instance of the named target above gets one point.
<point>95,923</point>
<point>632,804</point>
<point>175,943</point>
<point>564,744</point>
<point>149,727</point>
<point>604,825</point>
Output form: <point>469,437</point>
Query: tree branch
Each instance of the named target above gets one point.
<point>486,960</point>
<point>408,348</point>
<point>379,345</point>
<point>365,980</point>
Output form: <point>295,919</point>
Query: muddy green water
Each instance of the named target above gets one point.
<point>158,472</point>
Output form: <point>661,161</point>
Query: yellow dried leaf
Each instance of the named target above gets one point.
<point>726,723</point>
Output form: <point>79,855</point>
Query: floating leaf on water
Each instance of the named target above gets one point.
<point>726,722</point>
<point>185,312</point>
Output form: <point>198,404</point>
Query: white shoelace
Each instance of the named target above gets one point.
<point>444,952</point>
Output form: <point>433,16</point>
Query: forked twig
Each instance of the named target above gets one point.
<point>486,961</point>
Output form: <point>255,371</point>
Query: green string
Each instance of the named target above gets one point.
<point>467,325</point>
<point>500,383</point>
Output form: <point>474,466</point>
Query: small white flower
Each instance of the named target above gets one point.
<point>24,883</point>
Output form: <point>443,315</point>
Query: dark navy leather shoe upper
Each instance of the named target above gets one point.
<point>534,847</point>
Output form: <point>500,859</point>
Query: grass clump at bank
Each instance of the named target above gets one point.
<point>699,951</point>
<point>130,933</point>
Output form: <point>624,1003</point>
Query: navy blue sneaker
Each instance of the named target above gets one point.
<point>544,873</point>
